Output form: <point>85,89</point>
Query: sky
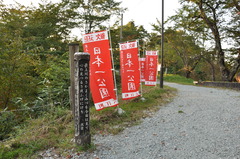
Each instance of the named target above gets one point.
<point>142,12</point>
<point>145,12</point>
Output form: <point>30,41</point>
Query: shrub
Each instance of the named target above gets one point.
<point>8,122</point>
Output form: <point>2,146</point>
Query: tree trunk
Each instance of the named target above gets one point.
<point>213,74</point>
<point>188,73</point>
<point>190,69</point>
<point>235,68</point>
<point>221,59</point>
<point>212,24</point>
<point>209,60</point>
<point>213,71</point>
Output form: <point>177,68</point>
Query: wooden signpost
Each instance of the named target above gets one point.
<point>81,98</point>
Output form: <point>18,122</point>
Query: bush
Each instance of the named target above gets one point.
<point>8,122</point>
<point>53,90</point>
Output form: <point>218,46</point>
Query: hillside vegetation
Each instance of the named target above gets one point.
<point>55,127</point>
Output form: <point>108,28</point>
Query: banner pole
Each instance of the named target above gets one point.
<point>113,68</point>
<point>157,68</point>
<point>141,85</point>
<point>162,48</point>
<point>121,29</point>
<point>139,56</point>
<point>144,56</point>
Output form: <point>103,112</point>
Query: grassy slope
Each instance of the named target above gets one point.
<point>56,129</point>
<point>178,79</point>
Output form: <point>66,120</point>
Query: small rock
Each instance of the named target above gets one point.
<point>143,99</point>
<point>120,111</point>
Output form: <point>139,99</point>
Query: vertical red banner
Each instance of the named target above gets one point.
<point>151,68</point>
<point>143,67</point>
<point>101,75</point>
<point>130,70</point>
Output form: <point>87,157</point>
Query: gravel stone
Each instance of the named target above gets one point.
<point>200,123</point>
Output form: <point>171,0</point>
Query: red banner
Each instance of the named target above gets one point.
<point>143,67</point>
<point>151,68</point>
<point>130,70</point>
<point>101,75</point>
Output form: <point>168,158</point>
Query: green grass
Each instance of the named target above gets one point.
<point>56,128</point>
<point>178,79</point>
<point>106,120</point>
<point>180,111</point>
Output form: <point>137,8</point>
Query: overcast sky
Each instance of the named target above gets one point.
<point>143,12</point>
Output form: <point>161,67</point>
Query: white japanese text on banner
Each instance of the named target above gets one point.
<point>143,67</point>
<point>130,70</point>
<point>151,68</point>
<point>101,75</point>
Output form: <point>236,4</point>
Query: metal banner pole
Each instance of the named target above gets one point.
<point>162,48</point>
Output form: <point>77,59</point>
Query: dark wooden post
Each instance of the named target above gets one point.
<point>81,109</point>
<point>162,47</point>
<point>73,47</point>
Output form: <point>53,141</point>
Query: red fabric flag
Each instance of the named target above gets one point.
<point>130,70</point>
<point>151,68</point>
<point>143,67</point>
<point>101,75</point>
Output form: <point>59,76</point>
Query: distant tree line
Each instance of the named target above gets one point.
<point>34,68</point>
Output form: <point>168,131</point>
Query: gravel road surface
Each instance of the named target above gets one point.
<point>200,123</point>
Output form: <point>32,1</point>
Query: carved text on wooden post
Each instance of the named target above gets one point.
<point>81,113</point>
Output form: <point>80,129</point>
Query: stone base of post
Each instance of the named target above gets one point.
<point>82,140</point>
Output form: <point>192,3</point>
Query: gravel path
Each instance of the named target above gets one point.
<point>200,123</point>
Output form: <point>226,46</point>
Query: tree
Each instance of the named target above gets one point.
<point>187,19</point>
<point>47,28</point>
<point>17,67</point>
<point>130,32</point>
<point>213,14</point>
<point>33,41</point>
<point>232,28</point>
<point>91,14</point>
<point>186,48</point>
<point>179,45</point>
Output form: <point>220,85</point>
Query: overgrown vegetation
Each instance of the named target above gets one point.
<point>8,121</point>
<point>55,127</point>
